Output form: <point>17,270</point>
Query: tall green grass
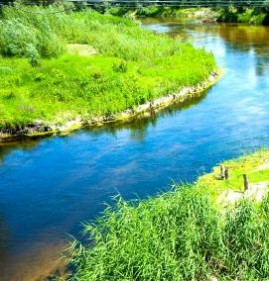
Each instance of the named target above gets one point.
<point>49,33</point>
<point>40,80</point>
<point>180,235</point>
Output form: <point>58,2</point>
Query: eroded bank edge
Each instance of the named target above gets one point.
<point>44,128</point>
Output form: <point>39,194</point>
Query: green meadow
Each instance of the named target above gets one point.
<point>55,67</point>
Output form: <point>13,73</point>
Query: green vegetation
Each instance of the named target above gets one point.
<point>233,13</point>
<point>250,12</point>
<point>243,15</point>
<point>245,165</point>
<point>155,11</point>
<point>41,79</point>
<point>185,234</point>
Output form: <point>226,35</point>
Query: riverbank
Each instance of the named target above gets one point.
<point>183,14</point>
<point>95,69</point>
<point>185,234</point>
<point>231,14</point>
<point>40,128</point>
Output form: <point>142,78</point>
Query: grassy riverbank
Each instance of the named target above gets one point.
<point>165,12</point>
<point>59,67</point>
<point>190,233</point>
<point>230,14</point>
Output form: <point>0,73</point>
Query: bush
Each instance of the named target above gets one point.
<point>19,30</point>
<point>15,38</point>
<point>243,15</point>
<point>246,16</point>
<point>33,56</point>
<point>151,11</point>
<point>258,18</point>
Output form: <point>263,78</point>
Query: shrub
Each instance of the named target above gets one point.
<point>258,18</point>
<point>15,38</point>
<point>151,11</point>
<point>245,17</point>
<point>19,30</point>
<point>33,56</point>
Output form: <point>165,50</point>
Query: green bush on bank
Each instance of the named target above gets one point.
<point>242,15</point>
<point>41,80</point>
<point>22,33</point>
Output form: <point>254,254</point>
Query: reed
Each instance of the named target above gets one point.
<point>180,235</point>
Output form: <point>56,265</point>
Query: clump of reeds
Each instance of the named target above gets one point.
<point>180,235</point>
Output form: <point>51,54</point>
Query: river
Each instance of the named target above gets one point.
<point>49,186</point>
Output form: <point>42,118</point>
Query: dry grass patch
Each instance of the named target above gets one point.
<point>83,50</point>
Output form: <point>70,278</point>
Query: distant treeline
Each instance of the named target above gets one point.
<point>243,11</point>
<point>261,4</point>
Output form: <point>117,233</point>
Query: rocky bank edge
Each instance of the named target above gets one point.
<point>43,128</point>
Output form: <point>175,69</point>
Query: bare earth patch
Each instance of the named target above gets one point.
<point>256,191</point>
<point>84,50</point>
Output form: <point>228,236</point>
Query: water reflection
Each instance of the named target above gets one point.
<point>23,144</point>
<point>248,39</point>
<point>138,128</point>
<point>241,38</point>
<point>3,236</point>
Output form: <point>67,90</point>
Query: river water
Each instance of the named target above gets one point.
<point>49,186</point>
